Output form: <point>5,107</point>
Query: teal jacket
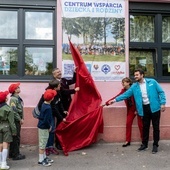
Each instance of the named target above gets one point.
<point>155,93</point>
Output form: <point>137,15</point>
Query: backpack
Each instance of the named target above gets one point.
<point>36,112</point>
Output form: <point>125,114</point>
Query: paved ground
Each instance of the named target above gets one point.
<point>100,156</point>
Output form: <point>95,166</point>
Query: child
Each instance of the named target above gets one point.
<point>16,104</point>
<point>7,128</point>
<point>57,112</point>
<point>131,111</point>
<point>45,125</point>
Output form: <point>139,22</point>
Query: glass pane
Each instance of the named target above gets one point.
<point>166,62</point>
<point>8,24</point>
<point>39,25</point>
<point>166,29</point>
<point>8,60</point>
<point>141,59</point>
<point>38,61</point>
<point>141,28</point>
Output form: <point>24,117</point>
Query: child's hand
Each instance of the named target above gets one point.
<point>65,112</point>
<point>22,121</point>
<point>50,129</point>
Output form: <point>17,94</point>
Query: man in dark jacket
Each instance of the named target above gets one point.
<point>65,90</point>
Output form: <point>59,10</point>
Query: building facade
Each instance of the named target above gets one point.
<point>31,46</point>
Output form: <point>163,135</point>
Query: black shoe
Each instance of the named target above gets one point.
<point>126,144</point>
<point>154,149</point>
<point>19,157</point>
<point>142,148</point>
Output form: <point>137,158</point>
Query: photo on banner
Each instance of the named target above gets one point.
<point>97,29</point>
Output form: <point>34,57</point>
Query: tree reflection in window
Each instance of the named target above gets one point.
<point>166,29</point>
<point>38,61</point>
<point>141,28</point>
<point>8,60</point>
<point>143,60</point>
<point>166,62</point>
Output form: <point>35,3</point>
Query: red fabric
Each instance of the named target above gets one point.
<point>85,120</point>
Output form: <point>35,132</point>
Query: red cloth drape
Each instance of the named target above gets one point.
<point>85,119</point>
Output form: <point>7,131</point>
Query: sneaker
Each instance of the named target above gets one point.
<point>49,160</point>
<point>4,165</point>
<point>44,163</point>
<point>142,148</point>
<point>53,151</point>
<point>19,157</point>
<point>154,149</point>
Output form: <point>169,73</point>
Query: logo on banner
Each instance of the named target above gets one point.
<point>117,67</point>
<point>105,68</point>
<point>118,70</point>
<point>95,66</point>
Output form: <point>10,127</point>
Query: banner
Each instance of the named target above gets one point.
<point>97,29</point>
<point>91,8</point>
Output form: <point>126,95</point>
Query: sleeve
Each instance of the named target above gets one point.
<point>161,94</point>
<point>48,118</point>
<point>13,104</point>
<point>11,122</point>
<point>125,95</point>
<point>107,102</point>
<point>55,110</point>
<point>67,91</point>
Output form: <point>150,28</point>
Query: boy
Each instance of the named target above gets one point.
<point>16,104</point>
<point>57,112</point>
<point>7,129</point>
<point>45,125</point>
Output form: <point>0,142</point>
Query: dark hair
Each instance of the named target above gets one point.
<point>128,80</point>
<point>140,71</point>
<point>55,69</point>
<point>53,84</point>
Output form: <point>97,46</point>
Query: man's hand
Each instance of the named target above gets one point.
<point>77,89</point>
<point>75,69</point>
<point>163,108</point>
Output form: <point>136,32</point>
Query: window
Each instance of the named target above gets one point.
<point>141,28</point>
<point>142,59</point>
<point>8,60</point>
<point>38,61</point>
<point>149,47</point>
<point>39,25</point>
<point>8,27</point>
<point>27,41</point>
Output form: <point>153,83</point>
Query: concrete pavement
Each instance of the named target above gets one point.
<point>100,156</point>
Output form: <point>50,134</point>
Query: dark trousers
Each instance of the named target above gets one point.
<point>147,118</point>
<point>15,144</point>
